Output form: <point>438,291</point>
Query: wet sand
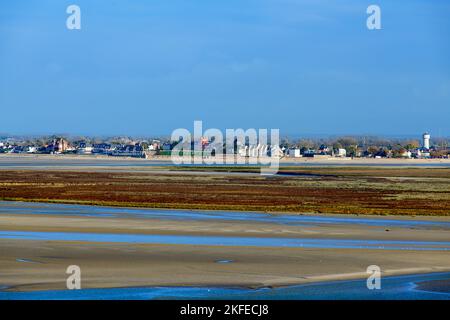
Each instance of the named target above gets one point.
<point>132,265</point>
<point>49,223</point>
<point>40,265</point>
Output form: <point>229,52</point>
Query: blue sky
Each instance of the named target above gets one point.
<point>149,66</point>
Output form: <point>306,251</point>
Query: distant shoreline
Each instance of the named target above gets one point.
<point>284,160</point>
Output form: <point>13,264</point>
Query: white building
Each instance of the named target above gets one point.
<point>406,154</point>
<point>294,152</point>
<point>426,140</point>
<point>84,150</point>
<point>30,149</point>
<point>341,152</point>
<point>421,153</point>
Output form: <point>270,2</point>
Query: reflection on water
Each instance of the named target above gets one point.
<point>399,287</point>
<point>224,261</point>
<point>228,241</point>
<point>26,261</point>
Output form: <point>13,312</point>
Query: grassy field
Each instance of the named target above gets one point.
<point>354,190</point>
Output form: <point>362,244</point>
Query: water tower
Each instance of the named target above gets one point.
<point>426,140</point>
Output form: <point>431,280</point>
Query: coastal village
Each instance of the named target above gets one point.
<point>345,147</point>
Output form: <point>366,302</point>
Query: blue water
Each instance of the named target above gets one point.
<point>398,287</point>
<point>293,220</point>
<point>228,241</point>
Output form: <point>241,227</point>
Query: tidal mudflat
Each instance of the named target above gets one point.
<point>187,251</point>
<point>171,232</point>
<point>414,287</point>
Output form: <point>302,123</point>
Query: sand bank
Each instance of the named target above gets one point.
<point>41,265</point>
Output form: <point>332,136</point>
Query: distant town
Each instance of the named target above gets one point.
<point>350,146</point>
